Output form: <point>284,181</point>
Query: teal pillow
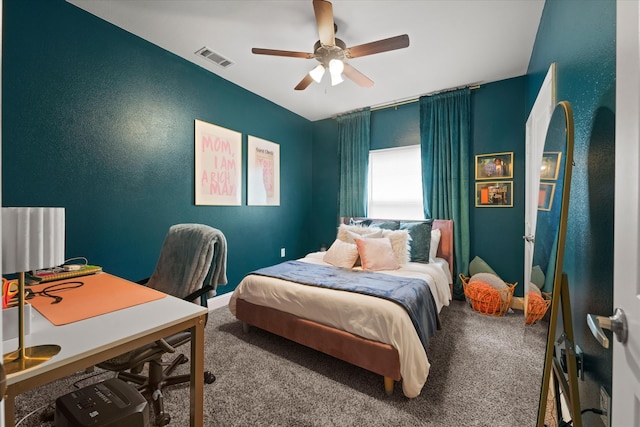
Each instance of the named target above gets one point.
<point>386,225</point>
<point>537,276</point>
<point>420,233</point>
<point>360,222</point>
<point>478,265</point>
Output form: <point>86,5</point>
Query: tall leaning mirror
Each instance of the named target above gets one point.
<point>547,275</point>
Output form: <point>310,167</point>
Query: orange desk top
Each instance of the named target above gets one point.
<point>100,293</point>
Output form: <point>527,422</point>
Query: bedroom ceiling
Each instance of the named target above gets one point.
<point>452,43</point>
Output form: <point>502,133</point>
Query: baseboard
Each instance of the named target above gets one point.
<point>219,301</point>
<point>517,303</point>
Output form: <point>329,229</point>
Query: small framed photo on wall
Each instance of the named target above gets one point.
<point>494,166</point>
<point>494,194</point>
<point>550,167</point>
<point>545,196</point>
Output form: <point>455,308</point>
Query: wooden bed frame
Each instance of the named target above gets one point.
<point>374,356</point>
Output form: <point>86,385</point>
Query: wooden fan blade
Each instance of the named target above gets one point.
<point>304,83</point>
<point>392,43</point>
<point>324,19</point>
<point>355,75</point>
<point>289,53</point>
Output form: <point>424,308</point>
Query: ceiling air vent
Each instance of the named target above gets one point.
<point>214,57</point>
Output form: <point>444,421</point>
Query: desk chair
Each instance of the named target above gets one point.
<point>192,263</point>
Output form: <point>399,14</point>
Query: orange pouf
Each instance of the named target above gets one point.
<point>484,298</point>
<point>537,306</point>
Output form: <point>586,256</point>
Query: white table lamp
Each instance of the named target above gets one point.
<point>32,239</point>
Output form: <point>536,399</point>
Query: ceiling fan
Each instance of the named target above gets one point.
<point>332,53</point>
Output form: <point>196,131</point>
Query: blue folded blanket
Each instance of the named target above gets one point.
<point>412,294</point>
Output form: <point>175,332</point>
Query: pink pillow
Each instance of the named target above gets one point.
<point>377,254</point>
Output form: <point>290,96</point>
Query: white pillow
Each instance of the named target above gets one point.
<point>435,242</point>
<point>341,254</point>
<point>372,235</point>
<point>377,254</point>
<point>400,243</point>
<point>346,233</point>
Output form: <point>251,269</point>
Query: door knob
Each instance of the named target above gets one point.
<point>616,323</point>
<point>529,238</point>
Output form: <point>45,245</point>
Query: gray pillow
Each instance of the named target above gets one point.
<point>478,265</point>
<point>537,276</point>
<point>420,233</point>
<point>534,288</point>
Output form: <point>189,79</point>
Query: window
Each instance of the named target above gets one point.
<point>395,183</point>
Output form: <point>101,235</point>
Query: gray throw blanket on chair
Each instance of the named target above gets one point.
<point>192,256</point>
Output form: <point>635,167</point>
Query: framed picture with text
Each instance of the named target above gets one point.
<point>263,172</point>
<point>218,169</point>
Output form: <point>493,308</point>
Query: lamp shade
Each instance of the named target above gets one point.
<point>336,67</point>
<point>317,73</point>
<point>32,238</point>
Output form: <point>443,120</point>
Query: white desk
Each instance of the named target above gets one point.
<point>91,341</point>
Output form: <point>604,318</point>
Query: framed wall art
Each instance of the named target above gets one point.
<point>550,165</point>
<point>263,172</point>
<point>494,166</point>
<point>545,196</point>
<point>218,169</point>
<point>494,194</point>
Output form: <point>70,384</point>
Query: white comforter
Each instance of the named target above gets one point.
<point>352,312</point>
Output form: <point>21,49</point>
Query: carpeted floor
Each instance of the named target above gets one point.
<point>485,371</point>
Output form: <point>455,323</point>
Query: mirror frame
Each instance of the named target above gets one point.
<point>560,294</point>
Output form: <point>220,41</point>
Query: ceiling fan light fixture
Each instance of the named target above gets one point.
<point>336,67</point>
<point>317,73</point>
<point>336,79</point>
<point>333,53</point>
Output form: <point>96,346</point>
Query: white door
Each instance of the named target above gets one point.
<point>625,397</point>
<point>1,350</point>
<point>537,125</point>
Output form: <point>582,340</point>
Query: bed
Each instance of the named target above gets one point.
<point>366,331</point>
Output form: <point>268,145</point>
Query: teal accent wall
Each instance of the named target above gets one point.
<point>498,124</point>
<point>325,183</point>
<point>580,37</point>
<point>101,122</point>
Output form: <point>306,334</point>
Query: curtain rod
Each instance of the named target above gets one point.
<point>412,100</point>
<point>407,101</point>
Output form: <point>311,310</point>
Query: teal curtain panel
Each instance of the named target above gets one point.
<point>354,139</point>
<point>445,140</point>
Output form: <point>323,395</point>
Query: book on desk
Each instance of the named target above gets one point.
<point>44,276</point>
